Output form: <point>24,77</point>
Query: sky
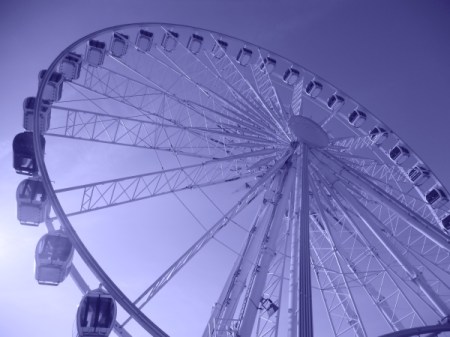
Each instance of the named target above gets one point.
<point>390,56</point>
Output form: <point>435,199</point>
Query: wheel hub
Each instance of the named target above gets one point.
<point>309,132</point>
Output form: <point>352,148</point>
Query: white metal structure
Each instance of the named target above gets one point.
<point>307,188</point>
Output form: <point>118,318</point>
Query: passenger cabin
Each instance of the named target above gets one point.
<point>436,197</point>
<point>446,222</point>
<point>169,41</point>
<point>244,56</point>
<point>119,44</point>
<point>357,118</point>
<point>54,86</point>
<point>268,64</point>
<point>399,154</point>
<point>29,105</point>
<point>32,204</point>
<point>378,135</point>
<point>96,314</point>
<point>335,102</point>
<point>313,89</point>
<point>95,53</point>
<point>418,175</point>
<point>70,66</point>
<point>291,76</point>
<point>24,159</point>
<point>53,257</point>
<point>219,49</point>
<point>195,43</point>
<point>144,40</point>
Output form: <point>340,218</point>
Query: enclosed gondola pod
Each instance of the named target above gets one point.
<point>378,135</point>
<point>119,44</point>
<point>313,88</point>
<point>195,43</point>
<point>96,314</point>
<point>53,87</point>
<point>33,205</point>
<point>53,258</point>
<point>70,66</point>
<point>144,40</point>
<point>29,105</point>
<point>219,49</point>
<point>24,158</point>
<point>357,118</point>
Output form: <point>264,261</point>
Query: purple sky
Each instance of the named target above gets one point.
<point>391,56</point>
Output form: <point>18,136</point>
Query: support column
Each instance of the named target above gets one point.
<point>294,262</point>
<point>267,253</point>
<point>305,321</point>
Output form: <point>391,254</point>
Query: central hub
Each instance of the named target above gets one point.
<point>309,132</point>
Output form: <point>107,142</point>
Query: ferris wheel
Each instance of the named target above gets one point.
<point>169,161</point>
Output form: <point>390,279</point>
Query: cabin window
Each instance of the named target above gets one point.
<point>291,76</point>
<point>335,102</point>
<point>219,49</point>
<point>144,40</point>
<point>169,41</point>
<point>195,43</point>
<point>313,88</point>
<point>244,56</point>
<point>357,118</point>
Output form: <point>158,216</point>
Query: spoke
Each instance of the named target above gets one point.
<point>225,307</point>
<point>97,127</point>
<point>373,224</point>
<point>244,92</point>
<point>365,263</point>
<point>113,192</point>
<point>151,291</point>
<point>223,316</point>
<point>134,94</point>
<point>411,217</point>
<point>267,90</point>
<point>334,287</point>
<point>205,93</point>
<point>297,98</point>
<point>259,275</point>
<point>269,315</point>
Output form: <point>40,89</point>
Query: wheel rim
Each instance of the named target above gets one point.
<point>178,85</point>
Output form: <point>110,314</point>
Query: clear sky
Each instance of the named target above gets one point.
<point>391,56</point>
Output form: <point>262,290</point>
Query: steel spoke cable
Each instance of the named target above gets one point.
<point>208,69</point>
<point>195,130</point>
<point>281,115</point>
<point>199,244</point>
<point>243,99</point>
<point>417,221</point>
<point>258,97</point>
<point>147,113</point>
<point>363,240</point>
<point>189,103</point>
<point>393,251</point>
<point>157,115</point>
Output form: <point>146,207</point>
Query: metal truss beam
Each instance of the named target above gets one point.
<point>420,331</point>
<point>365,264</point>
<point>108,193</point>
<point>346,173</point>
<point>246,121</point>
<point>180,139</point>
<point>268,250</point>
